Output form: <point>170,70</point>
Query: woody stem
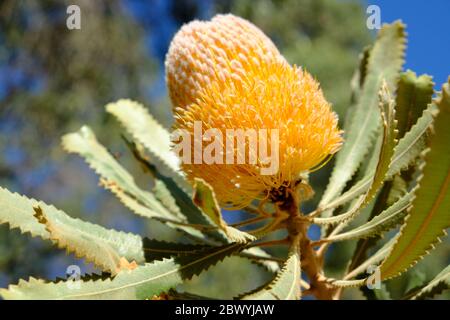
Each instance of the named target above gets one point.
<point>310,262</point>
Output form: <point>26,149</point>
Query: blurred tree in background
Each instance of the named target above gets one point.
<point>53,80</point>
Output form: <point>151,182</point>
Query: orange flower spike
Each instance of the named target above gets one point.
<point>226,74</point>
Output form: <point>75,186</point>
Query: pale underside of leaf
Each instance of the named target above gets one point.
<point>18,211</point>
<point>119,181</point>
<point>144,282</point>
<point>113,175</point>
<point>169,192</point>
<point>105,248</point>
<point>147,131</point>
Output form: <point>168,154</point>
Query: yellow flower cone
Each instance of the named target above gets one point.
<point>226,74</point>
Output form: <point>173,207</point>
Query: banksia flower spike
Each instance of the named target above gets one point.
<point>225,74</point>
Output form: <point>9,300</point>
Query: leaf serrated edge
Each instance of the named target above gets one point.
<point>232,248</point>
<point>329,194</point>
<point>443,103</point>
<point>292,261</point>
<point>71,249</point>
<point>171,168</point>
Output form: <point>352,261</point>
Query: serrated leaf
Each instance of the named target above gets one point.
<point>405,153</point>
<point>285,286</point>
<point>389,141</point>
<point>436,286</point>
<point>261,257</point>
<point>110,245</point>
<point>374,259</point>
<point>385,155</point>
<point>376,208</point>
<point>114,176</point>
<point>96,244</point>
<point>385,62</point>
<point>386,220</point>
<point>430,212</point>
<point>141,283</point>
<point>135,118</point>
<point>413,96</point>
<point>205,199</point>
<point>119,181</point>
<point>182,200</point>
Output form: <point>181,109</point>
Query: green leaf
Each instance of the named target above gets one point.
<point>413,143</point>
<point>375,208</point>
<point>96,244</point>
<point>116,179</point>
<point>374,259</point>
<point>285,286</point>
<point>405,153</point>
<point>141,283</point>
<point>135,118</point>
<point>413,96</point>
<point>99,245</point>
<point>436,286</point>
<point>386,220</point>
<point>262,258</point>
<point>386,152</point>
<point>430,212</point>
<point>389,141</point>
<point>183,201</point>
<point>385,62</point>
<point>114,176</point>
<point>205,199</point>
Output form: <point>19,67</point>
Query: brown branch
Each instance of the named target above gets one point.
<point>297,227</point>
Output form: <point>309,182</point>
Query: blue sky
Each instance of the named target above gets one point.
<point>428,27</point>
